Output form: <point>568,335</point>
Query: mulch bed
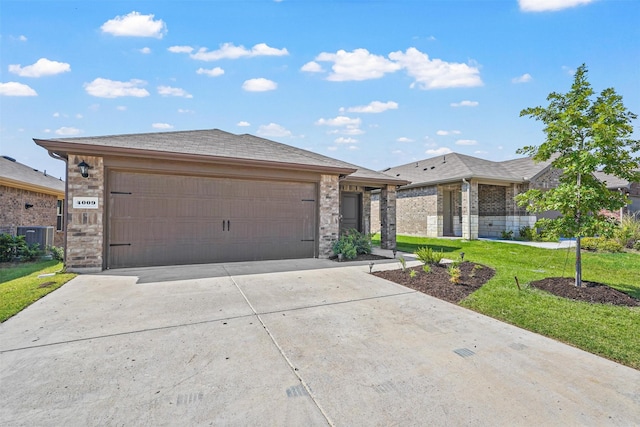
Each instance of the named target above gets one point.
<point>590,292</point>
<point>361,257</point>
<point>437,284</point>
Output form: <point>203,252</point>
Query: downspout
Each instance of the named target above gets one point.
<point>468,208</point>
<point>65,214</point>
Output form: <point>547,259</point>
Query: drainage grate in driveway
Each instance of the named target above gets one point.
<point>296,391</point>
<point>464,352</point>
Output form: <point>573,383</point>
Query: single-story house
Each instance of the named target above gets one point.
<point>209,196</point>
<point>31,203</point>
<point>631,189</point>
<point>465,196</point>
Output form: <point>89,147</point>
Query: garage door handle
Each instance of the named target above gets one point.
<point>223,228</point>
<point>228,225</point>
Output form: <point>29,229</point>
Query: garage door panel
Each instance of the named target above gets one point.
<point>167,220</point>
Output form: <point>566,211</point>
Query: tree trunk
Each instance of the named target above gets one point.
<point>578,263</point>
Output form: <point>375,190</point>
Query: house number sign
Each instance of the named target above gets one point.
<point>85,203</point>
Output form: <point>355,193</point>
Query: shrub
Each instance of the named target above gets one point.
<point>412,273</point>
<point>529,234</point>
<point>600,244</point>
<point>426,268</point>
<point>507,235</point>
<point>426,255</point>
<point>627,233</point>
<point>57,253</point>
<point>589,243</point>
<point>352,243</point>
<point>16,248</point>
<point>454,273</point>
<point>403,263</point>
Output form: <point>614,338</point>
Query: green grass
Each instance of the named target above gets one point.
<point>20,285</point>
<point>609,331</point>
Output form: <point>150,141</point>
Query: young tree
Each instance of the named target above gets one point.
<point>582,136</point>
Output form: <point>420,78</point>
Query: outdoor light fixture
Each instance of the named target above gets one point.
<point>394,252</point>
<point>462,256</point>
<point>84,169</point>
<point>370,267</point>
<point>28,205</point>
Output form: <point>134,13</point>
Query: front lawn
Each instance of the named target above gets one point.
<point>609,331</point>
<point>20,285</point>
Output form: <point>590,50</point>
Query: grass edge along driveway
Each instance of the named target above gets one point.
<point>605,330</point>
<point>20,285</point>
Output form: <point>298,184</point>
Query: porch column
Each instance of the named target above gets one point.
<point>388,217</point>
<point>329,208</point>
<point>366,212</point>
<point>470,210</point>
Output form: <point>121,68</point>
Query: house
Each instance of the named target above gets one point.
<point>631,189</point>
<point>465,196</point>
<point>208,196</point>
<point>31,202</point>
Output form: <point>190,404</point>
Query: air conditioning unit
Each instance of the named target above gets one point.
<point>41,235</point>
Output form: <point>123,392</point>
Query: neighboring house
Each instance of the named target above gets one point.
<point>210,196</point>
<point>30,200</point>
<point>631,189</point>
<point>464,196</point>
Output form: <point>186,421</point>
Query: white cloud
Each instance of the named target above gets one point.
<point>42,67</point>
<point>353,147</point>
<point>185,111</point>
<point>525,78</point>
<point>22,38</point>
<point>56,114</point>
<point>145,50</point>
<point>438,151</point>
<point>79,116</point>
<point>357,65</point>
<point>448,132</point>
<point>549,5</point>
<point>332,148</point>
<point>436,73</point>
<point>231,51</point>
<point>466,142</point>
<point>374,107</point>
<point>16,89</point>
<point>273,130</point>
<point>343,140</point>
<point>105,88</point>
<point>67,131</point>
<point>214,72</point>
<point>465,103</point>
<point>480,152</point>
<point>243,124</point>
<point>259,85</point>
<point>135,25</point>
<point>173,91</point>
<point>339,121</point>
<point>180,49</point>
<point>161,126</point>
<point>312,67</point>
<point>121,108</point>
<point>404,139</point>
<point>570,71</point>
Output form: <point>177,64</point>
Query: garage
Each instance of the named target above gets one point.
<point>156,219</point>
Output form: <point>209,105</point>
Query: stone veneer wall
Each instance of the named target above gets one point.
<point>85,229</point>
<point>388,217</point>
<point>470,210</point>
<point>329,208</point>
<point>43,213</point>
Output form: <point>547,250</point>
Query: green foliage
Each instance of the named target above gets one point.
<point>601,243</point>
<point>403,263</point>
<point>426,255</point>
<point>529,234</point>
<point>57,253</point>
<point>582,136</point>
<point>16,248</point>
<point>352,243</point>
<point>507,235</point>
<point>413,273</point>
<point>426,268</point>
<point>628,231</point>
<point>590,243</point>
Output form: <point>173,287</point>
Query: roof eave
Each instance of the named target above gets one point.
<point>64,148</point>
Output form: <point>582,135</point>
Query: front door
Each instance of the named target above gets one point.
<point>447,213</point>
<point>350,211</point>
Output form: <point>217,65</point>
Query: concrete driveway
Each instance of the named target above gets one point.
<point>255,344</point>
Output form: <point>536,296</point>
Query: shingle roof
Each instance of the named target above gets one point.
<point>454,167</point>
<point>215,143</point>
<point>612,182</point>
<point>12,172</point>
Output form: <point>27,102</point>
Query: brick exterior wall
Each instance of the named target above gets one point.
<point>13,213</point>
<point>329,207</point>
<point>85,229</point>
<point>492,200</point>
<point>388,217</point>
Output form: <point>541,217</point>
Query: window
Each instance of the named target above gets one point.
<point>60,213</point>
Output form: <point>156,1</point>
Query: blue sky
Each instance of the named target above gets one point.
<point>375,83</point>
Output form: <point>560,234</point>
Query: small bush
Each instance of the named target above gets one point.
<point>529,234</point>
<point>637,246</point>
<point>426,268</point>
<point>57,253</point>
<point>454,273</point>
<point>589,243</point>
<point>352,243</point>
<point>403,263</point>
<point>426,255</point>
<point>413,273</point>
<point>507,235</point>
<point>16,248</point>
<point>627,233</point>
<point>600,244</point>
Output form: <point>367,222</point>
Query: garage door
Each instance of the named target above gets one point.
<point>170,220</point>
